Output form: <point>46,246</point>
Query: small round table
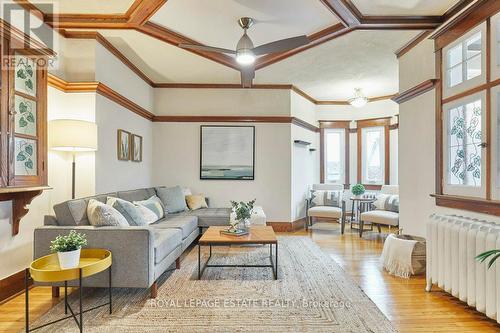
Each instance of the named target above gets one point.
<point>362,205</point>
<point>46,269</point>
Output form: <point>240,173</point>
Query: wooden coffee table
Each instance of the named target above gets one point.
<point>258,235</point>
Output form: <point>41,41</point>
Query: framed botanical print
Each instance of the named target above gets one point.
<point>136,150</point>
<point>123,145</point>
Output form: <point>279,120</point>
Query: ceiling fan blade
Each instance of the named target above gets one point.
<point>206,48</point>
<point>247,76</point>
<point>281,45</point>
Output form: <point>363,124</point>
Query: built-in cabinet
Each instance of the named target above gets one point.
<point>23,126</point>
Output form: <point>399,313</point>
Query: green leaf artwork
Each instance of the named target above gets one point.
<point>29,164</point>
<point>23,122</point>
<point>21,157</point>
<point>29,84</point>
<point>23,107</point>
<point>21,73</point>
<point>28,149</point>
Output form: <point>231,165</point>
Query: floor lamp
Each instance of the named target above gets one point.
<point>73,136</point>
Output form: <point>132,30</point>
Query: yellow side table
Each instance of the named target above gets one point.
<point>46,269</point>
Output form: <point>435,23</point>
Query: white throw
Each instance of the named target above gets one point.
<point>396,256</point>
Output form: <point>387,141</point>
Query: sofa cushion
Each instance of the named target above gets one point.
<point>195,202</point>
<point>74,212</point>
<point>172,198</point>
<point>166,241</point>
<point>325,211</point>
<point>211,216</point>
<point>136,195</point>
<point>154,204</point>
<point>135,215</point>
<point>187,224</point>
<point>381,217</point>
<point>103,215</point>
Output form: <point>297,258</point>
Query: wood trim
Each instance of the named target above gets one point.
<point>30,8</point>
<point>413,92</point>
<point>439,124</point>
<point>370,99</point>
<point>107,45</point>
<point>18,38</point>
<point>488,114</point>
<point>288,226</point>
<point>373,22</point>
<point>141,11</point>
<point>157,31</point>
<point>304,124</point>
<point>483,206</point>
<point>12,285</point>
<point>465,21</point>
<point>455,9</point>
<point>219,86</point>
<point>334,124</point>
<point>87,21</point>
<point>412,43</point>
<point>322,154</point>
<point>345,11</point>
<point>303,94</point>
<point>373,122</point>
<point>393,126</point>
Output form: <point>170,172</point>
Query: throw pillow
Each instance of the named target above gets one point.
<point>132,213</point>
<point>101,215</point>
<point>387,202</point>
<point>154,204</point>
<point>172,198</point>
<point>326,198</point>
<point>196,202</point>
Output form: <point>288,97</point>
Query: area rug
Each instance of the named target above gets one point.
<point>312,294</point>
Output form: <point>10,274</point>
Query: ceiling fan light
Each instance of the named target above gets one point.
<point>358,100</point>
<point>245,57</point>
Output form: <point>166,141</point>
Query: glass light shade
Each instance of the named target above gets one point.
<point>72,135</point>
<point>245,57</point>
<point>358,100</point>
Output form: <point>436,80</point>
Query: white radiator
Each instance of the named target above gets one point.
<point>452,245</point>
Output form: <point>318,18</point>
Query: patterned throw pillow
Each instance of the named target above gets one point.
<point>102,215</point>
<point>326,198</point>
<point>154,204</point>
<point>388,202</point>
<point>135,215</point>
<point>196,202</point>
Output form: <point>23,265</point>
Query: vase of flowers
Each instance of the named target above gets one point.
<point>358,190</point>
<point>68,249</point>
<point>242,212</point>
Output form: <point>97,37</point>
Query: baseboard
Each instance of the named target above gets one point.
<point>288,226</point>
<point>12,285</point>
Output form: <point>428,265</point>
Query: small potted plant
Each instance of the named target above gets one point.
<point>68,249</point>
<point>358,190</point>
<point>242,212</point>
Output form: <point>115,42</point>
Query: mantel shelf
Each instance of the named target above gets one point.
<point>21,197</point>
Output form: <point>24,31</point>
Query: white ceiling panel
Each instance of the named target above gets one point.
<point>162,62</point>
<point>403,7</point>
<point>331,71</point>
<point>214,22</point>
<point>86,6</point>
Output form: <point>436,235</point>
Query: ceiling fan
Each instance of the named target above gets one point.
<point>246,53</point>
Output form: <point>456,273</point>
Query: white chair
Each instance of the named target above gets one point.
<point>381,217</point>
<point>329,212</point>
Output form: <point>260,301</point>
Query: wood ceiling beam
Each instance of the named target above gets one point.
<point>142,10</point>
<point>345,11</point>
<point>168,36</point>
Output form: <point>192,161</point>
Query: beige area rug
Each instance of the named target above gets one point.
<point>313,294</point>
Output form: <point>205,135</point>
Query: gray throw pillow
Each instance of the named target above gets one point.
<point>387,202</point>
<point>326,198</point>
<point>172,198</point>
<point>154,204</point>
<point>135,215</point>
<point>102,215</point>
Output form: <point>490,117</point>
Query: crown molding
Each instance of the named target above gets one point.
<point>412,43</point>
<point>415,91</point>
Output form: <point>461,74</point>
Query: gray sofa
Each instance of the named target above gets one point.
<point>141,254</point>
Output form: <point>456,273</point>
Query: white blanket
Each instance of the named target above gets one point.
<point>396,256</point>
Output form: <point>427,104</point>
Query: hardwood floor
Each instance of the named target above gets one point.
<point>404,302</point>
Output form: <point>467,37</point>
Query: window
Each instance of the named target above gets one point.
<point>334,155</point>
<point>373,155</point>
<point>495,149</point>
<point>464,60</point>
<point>464,155</point>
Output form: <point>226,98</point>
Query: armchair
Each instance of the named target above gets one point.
<point>386,215</point>
<point>326,211</point>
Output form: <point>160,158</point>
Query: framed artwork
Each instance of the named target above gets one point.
<point>123,146</point>
<point>136,148</point>
<point>227,152</point>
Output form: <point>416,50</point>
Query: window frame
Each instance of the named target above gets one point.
<point>465,84</point>
<point>495,143</point>
<point>495,51</point>
<point>324,127</point>
<point>342,146</point>
<point>464,190</point>
<point>378,122</point>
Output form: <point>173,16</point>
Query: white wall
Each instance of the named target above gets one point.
<point>384,108</point>
<point>177,162</point>
<point>417,145</point>
<point>112,174</point>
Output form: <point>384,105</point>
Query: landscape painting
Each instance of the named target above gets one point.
<point>227,152</point>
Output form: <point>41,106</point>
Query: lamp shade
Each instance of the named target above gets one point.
<point>72,135</point>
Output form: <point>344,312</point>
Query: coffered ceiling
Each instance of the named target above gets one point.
<point>352,41</point>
